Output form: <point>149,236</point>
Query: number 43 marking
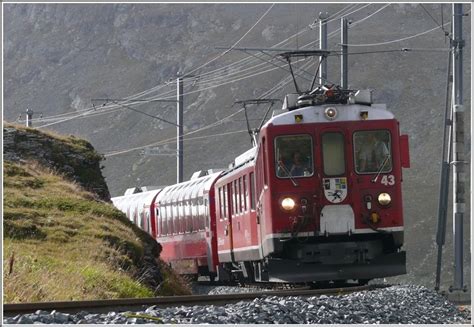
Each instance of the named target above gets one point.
<point>388,180</point>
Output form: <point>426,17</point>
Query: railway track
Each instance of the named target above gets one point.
<point>100,306</point>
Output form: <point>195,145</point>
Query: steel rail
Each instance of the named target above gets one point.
<point>136,304</point>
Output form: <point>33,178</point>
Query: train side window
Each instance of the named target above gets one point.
<point>140,220</point>
<point>264,162</point>
<point>238,191</point>
<point>334,161</point>
<point>182,218</point>
<point>372,152</point>
<point>169,218</point>
<point>220,201</point>
<point>189,220</point>
<point>232,190</point>
<point>158,221</point>
<point>226,202</point>
<point>241,200</point>
<point>244,192</point>
<point>237,197</point>
<point>252,191</point>
<point>162,219</point>
<point>148,222</point>
<point>204,217</point>
<point>196,209</point>
<point>294,156</point>
<point>177,218</point>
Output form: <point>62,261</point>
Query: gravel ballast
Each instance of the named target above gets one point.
<point>405,304</point>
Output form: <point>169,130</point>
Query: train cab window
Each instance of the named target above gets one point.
<point>372,152</point>
<point>334,161</point>
<point>294,156</point>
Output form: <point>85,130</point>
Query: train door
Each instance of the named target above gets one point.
<point>336,215</point>
<point>224,226</point>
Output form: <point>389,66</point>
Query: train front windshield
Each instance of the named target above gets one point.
<point>372,152</point>
<point>294,156</point>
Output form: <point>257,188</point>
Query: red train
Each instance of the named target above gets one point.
<point>317,199</point>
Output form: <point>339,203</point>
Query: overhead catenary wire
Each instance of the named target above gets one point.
<point>146,92</point>
<point>90,111</point>
<point>225,52</point>
<point>276,45</point>
<point>235,44</point>
<point>394,41</point>
<point>173,139</point>
<point>374,52</point>
<point>374,13</point>
<point>241,61</point>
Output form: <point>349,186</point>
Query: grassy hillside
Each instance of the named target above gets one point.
<point>60,243</point>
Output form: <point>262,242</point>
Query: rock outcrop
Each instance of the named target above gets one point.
<point>74,158</point>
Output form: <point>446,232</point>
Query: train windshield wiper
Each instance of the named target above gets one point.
<point>381,168</point>
<point>285,170</point>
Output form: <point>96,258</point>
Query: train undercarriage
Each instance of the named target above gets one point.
<point>317,259</point>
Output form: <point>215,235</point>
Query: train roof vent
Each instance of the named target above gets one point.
<point>214,170</point>
<point>246,156</point>
<point>290,102</point>
<point>199,173</point>
<point>133,190</point>
<point>361,97</point>
<point>150,188</point>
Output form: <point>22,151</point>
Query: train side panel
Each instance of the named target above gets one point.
<point>186,226</point>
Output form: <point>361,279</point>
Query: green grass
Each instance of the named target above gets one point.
<point>60,243</point>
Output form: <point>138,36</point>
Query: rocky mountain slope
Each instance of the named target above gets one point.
<point>57,57</point>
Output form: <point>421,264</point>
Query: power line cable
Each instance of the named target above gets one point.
<point>374,13</point>
<point>429,14</point>
<point>225,52</point>
<point>89,110</point>
<point>156,88</point>
<point>235,44</point>
<point>393,41</point>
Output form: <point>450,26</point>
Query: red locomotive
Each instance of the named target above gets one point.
<point>318,198</point>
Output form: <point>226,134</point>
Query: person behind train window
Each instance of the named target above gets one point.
<point>299,167</point>
<point>282,169</point>
<point>372,154</point>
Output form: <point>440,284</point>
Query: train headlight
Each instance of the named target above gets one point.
<point>331,113</point>
<point>384,199</point>
<point>288,204</point>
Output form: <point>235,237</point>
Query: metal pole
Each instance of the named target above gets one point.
<point>179,121</point>
<point>458,147</point>
<point>323,45</point>
<point>344,69</point>
<point>444,180</point>
<point>29,117</point>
